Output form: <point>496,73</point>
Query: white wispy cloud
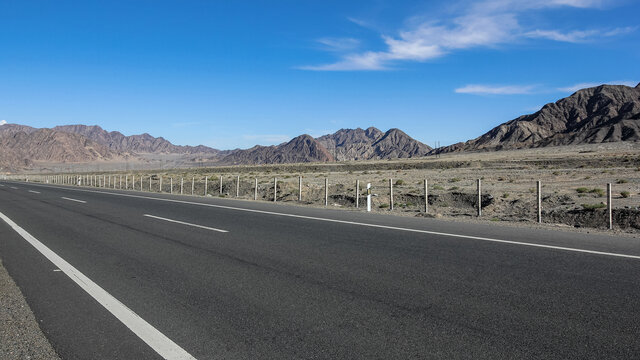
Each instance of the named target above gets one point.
<point>577,35</point>
<point>495,90</point>
<point>339,44</point>
<point>572,36</point>
<point>488,23</point>
<point>584,85</point>
<point>2,122</point>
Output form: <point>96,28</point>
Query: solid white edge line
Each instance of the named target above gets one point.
<point>186,223</point>
<point>35,192</point>
<point>70,199</point>
<point>362,224</point>
<point>164,346</point>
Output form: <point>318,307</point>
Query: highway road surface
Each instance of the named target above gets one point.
<point>129,275</point>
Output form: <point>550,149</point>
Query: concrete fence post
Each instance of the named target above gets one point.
<point>193,184</point>
<point>126,182</point>
<point>299,188</point>
<point>133,182</point>
<point>539,200</point>
<point>609,214</point>
<point>255,190</point>
<point>170,185</point>
<point>368,197</point>
<point>220,184</point>
<point>357,194</point>
<point>275,189</point>
<point>160,185</point>
<point>104,181</point>
<point>181,186</point>
<point>426,196</point>
<point>150,183</point>
<point>205,186</point>
<point>390,194</point>
<point>326,191</point>
<point>479,197</point>
<point>238,186</point>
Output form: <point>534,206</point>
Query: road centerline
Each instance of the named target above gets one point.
<point>76,200</point>
<point>186,223</point>
<point>34,192</point>
<point>471,237</point>
<point>159,342</point>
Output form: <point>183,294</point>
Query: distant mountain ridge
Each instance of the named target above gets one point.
<point>83,143</point>
<point>343,145</point>
<point>22,148</point>
<point>606,113</point>
<point>303,148</point>
<point>143,143</point>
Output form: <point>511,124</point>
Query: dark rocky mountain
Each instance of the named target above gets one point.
<point>396,144</point>
<point>359,144</point>
<point>138,144</point>
<point>19,149</point>
<point>345,144</point>
<point>606,113</point>
<point>303,148</point>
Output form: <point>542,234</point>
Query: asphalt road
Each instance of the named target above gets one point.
<point>286,282</point>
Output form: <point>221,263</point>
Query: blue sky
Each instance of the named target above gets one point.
<point>233,74</point>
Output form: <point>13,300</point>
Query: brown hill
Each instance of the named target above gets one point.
<point>140,144</point>
<point>303,148</point>
<point>359,144</point>
<point>11,129</point>
<point>19,149</point>
<point>605,113</point>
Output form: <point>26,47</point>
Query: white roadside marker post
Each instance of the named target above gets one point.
<point>479,197</point>
<point>539,200</point>
<point>357,194</point>
<point>390,194</point>
<point>426,196</point>
<point>326,191</point>
<point>609,215</point>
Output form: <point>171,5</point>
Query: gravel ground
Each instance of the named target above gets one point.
<point>20,336</point>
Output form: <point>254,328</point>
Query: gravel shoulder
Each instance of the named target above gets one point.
<point>20,335</point>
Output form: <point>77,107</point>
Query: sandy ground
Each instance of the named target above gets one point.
<point>20,336</point>
<point>574,181</point>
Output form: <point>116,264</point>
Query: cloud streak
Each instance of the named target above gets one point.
<point>495,90</point>
<point>489,23</point>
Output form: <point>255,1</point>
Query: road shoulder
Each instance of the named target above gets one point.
<point>20,335</point>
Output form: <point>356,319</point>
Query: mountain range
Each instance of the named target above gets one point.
<point>605,113</point>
